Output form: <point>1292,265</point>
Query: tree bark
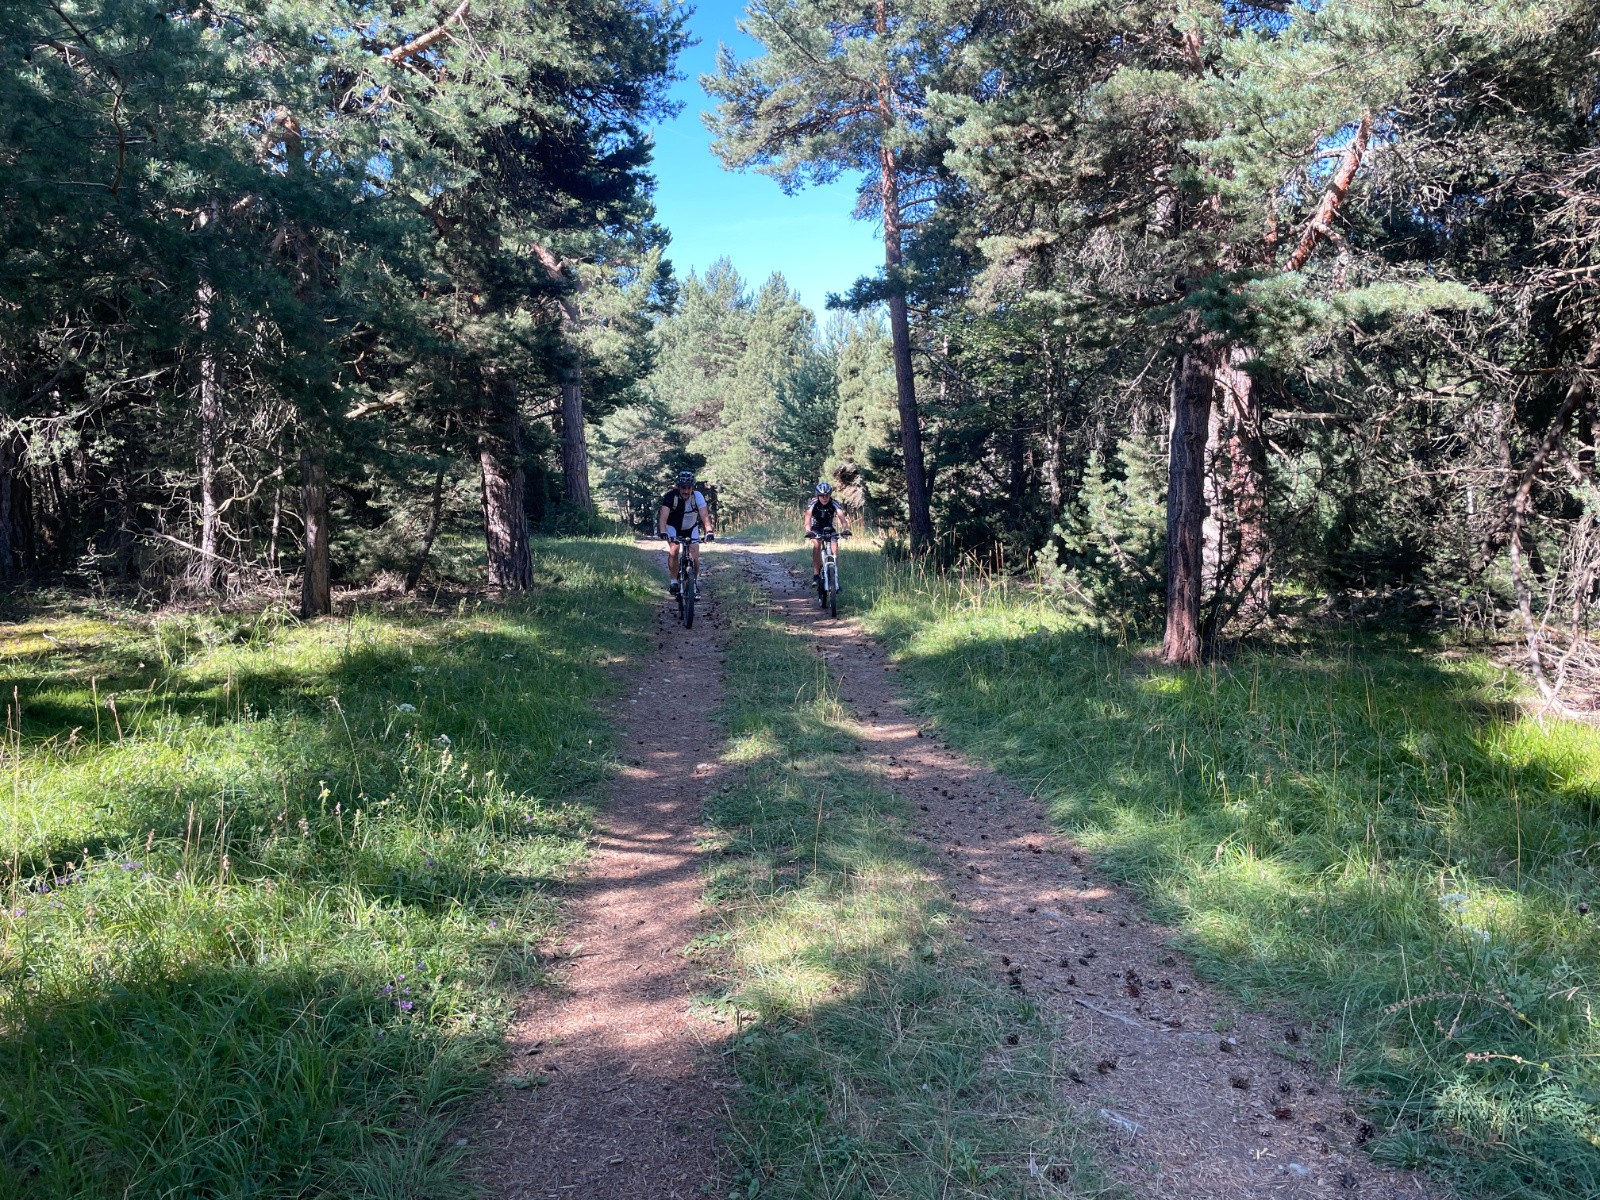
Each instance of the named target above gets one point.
<point>10,460</point>
<point>905,385</point>
<point>1192,386</point>
<point>574,437</point>
<point>574,441</point>
<point>206,574</point>
<point>1245,488</point>
<point>414,575</point>
<point>316,586</point>
<point>505,522</point>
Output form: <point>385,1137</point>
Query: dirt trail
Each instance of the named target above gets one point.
<point>630,1106</point>
<point>1189,1113</point>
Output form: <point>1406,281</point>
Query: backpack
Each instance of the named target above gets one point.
<point>682,509</point>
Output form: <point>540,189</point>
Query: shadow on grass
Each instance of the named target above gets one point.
<point>1368,834</point>
<point>230,1082</point>
<point>286,950</point>
<point>880,1057</point>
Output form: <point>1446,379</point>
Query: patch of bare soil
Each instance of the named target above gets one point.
<point>611,1087</point>
<point>1197,1099</point>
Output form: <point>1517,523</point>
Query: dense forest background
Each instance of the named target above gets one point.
<point>1214,313</point>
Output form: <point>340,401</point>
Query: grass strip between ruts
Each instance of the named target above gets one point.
<point>877,1054</point>
<point>1369,831</point>
<point>269,887</point>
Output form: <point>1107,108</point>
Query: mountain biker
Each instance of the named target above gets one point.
<point>682,513</point>
<point>823,515</point>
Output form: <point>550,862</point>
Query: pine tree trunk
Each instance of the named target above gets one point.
<point>10,460</point>
<point>905,385</point>
<point>1245,490</point>
<point>277,521</point>
<point>574,440</point>
<point>206,573</point>
<point>1192,386</point>
<point>414,575</point>
<point>505,522</point>
<point>316,588</point>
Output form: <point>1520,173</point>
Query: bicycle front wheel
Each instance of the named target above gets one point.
<point>686,598</point>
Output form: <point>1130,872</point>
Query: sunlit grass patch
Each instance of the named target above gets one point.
<point>876,1056</point>
<point>1369,833</point>
<point>266,886</point>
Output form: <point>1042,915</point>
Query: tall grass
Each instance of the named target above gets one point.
<point>266,887</point>
<point>1368,831</point>
<point>878,1056</point>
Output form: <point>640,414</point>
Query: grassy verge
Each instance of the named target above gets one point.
<point>267,887</point>
<point>1375,834</point>
<point>880,1057</point>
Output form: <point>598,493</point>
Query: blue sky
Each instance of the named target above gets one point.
<point>809,238</point>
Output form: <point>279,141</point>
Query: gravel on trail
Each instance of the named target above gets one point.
<point>611,1087</point>
<point>1193,1097</point>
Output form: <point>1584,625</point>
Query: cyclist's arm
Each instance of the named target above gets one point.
<point>705,517</point>
<point>811,516</point>
<point>661,520</point>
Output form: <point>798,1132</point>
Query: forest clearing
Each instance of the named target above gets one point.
<point>269,921</point>
<point>1183,783</point>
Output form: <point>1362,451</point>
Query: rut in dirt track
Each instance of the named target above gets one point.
<point>630,1105</point>
<point>1185,1112</point>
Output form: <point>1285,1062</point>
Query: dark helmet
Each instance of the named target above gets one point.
<point>824,488</point>
<point>685,478</point>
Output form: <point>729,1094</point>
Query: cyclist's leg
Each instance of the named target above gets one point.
<point>816,557</point>
<point>672,566</point>
<point>694,557</point>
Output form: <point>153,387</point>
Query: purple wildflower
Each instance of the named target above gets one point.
<point>406,1006</point>
<point>19,912</point>
<point>494,924</point>
<point>388,989</point>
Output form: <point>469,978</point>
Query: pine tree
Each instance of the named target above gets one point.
<point>842,88</point>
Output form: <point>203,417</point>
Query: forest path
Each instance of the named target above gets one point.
<point>630,1105</point>
<point>1198,1099</point>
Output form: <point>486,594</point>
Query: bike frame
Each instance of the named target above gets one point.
<point>688,574</point>
<point>830,561</point>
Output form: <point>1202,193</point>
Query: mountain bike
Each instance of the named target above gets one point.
<point>828,587</point>
<point>687,577</point>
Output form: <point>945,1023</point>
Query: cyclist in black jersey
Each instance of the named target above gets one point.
<point>683,515</point>
<point>824,516</point>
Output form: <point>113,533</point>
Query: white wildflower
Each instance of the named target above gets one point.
<point>443,741</point>
<point>1453,901</point>
<point>418,669</point>
<point>405,708</point>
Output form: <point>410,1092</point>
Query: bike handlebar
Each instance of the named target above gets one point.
<point>710,537</point>
<point>843,533</point>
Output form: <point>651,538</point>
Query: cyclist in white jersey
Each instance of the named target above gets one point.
<point>824,515</point>
<point>683,517</point>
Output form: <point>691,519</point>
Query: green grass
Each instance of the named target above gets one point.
<point>875,1054</point>
<point>268,887</point>
<point>1372,833</point>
